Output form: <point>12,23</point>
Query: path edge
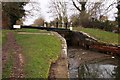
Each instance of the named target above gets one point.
<point>63,49</point>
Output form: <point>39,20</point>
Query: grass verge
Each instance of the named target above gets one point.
<point>101,36</point>
<point>39,51</point>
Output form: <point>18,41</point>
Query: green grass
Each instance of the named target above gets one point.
<point>101,36</point>
<point>8,66</point>
<point>31,30</point>
<point>39,51</point>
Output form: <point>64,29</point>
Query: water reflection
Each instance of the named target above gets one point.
<point>92,65</point>
<point>102,69</point>
<point>117,70</point>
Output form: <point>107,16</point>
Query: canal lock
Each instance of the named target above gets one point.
<point>84,63</point>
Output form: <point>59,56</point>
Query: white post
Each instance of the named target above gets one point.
<point>62,23</point>
<point>71,28</point>
<point>44,25</point>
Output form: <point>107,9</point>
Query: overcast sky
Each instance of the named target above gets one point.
<point>43,6</point>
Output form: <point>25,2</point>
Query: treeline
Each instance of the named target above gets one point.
<point>101,23</point>
<point>92,15</point>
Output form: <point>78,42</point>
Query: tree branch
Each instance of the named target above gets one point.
<point>76,5</point>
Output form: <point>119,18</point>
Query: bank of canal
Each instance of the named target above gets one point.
<point>87,62</point>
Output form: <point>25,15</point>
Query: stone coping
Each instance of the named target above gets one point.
<point>63,60</point>
<point>107,44</point>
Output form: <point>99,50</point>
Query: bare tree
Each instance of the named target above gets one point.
<point>59,9</point>
<point>34,7</point>
<point>32,10</point>
<point>80,6</point>
<point>118,14</point>
<point>95,9</point>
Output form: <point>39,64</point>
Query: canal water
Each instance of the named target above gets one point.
<point>86,64</point>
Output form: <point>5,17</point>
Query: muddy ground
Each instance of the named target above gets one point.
<point>11,48</point>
